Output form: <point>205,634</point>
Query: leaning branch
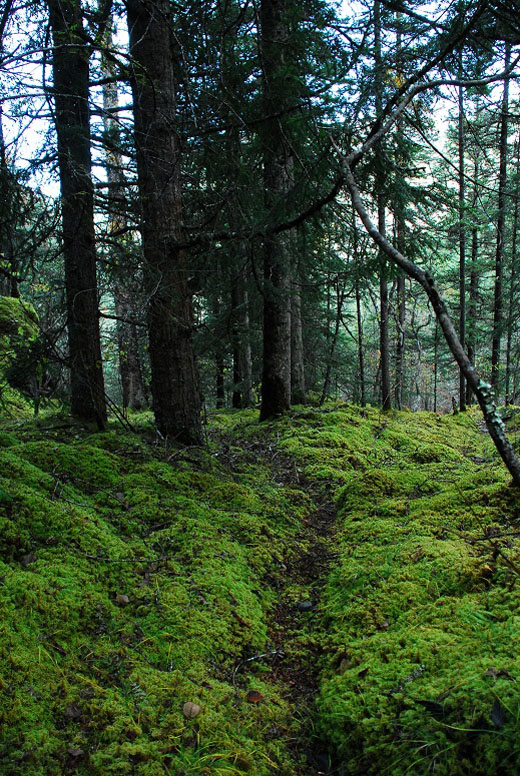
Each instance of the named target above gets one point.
<point>481,389</point>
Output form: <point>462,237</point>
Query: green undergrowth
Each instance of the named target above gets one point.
<point>420,618</point>
<point>132,581</point>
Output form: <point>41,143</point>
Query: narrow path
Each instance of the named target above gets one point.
<point>293,622</point>
<point>297,616</point>
<point>293,651</point>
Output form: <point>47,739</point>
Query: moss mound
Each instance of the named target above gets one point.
<point>134,580</point>
<point>421,615</point>
<point>129,586</point>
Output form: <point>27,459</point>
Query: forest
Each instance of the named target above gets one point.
<point>259,387</point>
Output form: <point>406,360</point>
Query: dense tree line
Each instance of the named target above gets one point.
<point>237,182</point>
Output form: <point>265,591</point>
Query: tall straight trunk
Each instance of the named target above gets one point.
<point>9,276</point>
<point>130,370</point>
<point>384,339</point>
<point>473,285</point>
<point>297,350</point>
<point>361,357</point>
<point>462,238</point>
<point>501,233</point>
<point>175,386</point>
<point>8,279</point>
<point>132,384</point>
<point>220,389</point>
<point>70,63</point>
<point>340,298</point>
<point>513,284</point>
<point>359,319</point>
<point>435,364</point>
<point>277,161</point>
<point>400,342</point>
<point>241,340</point>
<point>400,232</point>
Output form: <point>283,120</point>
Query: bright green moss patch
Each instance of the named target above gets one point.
<point>135,579</point>
<point>422,609</point>
<point>131,584</point>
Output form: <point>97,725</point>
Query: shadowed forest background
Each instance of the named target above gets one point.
<point>259,377</point>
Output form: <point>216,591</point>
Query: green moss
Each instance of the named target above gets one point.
<point>421,620</point>
<point>186,545</point>
<point>134,579</point>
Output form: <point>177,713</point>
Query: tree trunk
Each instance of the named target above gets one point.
<point>241,340</point>
<point>361,358</point>
<point>462,239</point>
<point>435,364</point>
<point>340,297</point>
<point>70,61</point>
<point>220,389</point>
<point>501,233</point>
<point>276,376</point>
<point>175,387</point>
<point>473,287</point>
<point>513,286</point>
<point>384,340</point>
<point>132,384</point>
<point>297,350</point>
<point>482,390</point>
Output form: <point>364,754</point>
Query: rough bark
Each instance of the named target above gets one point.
<point>70,60</point>
<point>482,390</point>
<point>297,349</point>
<point>501,233</point>
<point>401,341</point>
<point>175,388</point>
<point>473,286</point>
<point>361,357</point>
<point>241,341</point>
<point>513,283</point>
<point>132,384</point>
<point>277,159</point>
<point>384,339</point>
<point>462,239</point>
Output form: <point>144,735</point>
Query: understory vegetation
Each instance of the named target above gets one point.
<point>140,587</point>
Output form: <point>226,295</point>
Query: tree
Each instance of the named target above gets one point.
<point>278,85</point>
<point>175,387</point>
<point>70,64</point>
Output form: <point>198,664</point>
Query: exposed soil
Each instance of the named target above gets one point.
<point>293,620</point>
<point>292,654</point>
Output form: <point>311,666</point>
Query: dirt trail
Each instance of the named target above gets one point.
<point>295,620</point>
<point>291,652</point>
<point>292,622</point>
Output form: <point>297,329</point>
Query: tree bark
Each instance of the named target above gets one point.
<point>473,287</point>
<point>132,384</point>
<point>297,349</point>
<point>462,238</point>
<point>276,375</point>
<point>70,62</point>
<point>513,284</point>
<point>384,339</point>
<point>501,233</point>
<point>241,339</point>
<point>175,387</point>
<point>401,340</point>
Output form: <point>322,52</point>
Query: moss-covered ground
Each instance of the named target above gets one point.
<point>136,579</point>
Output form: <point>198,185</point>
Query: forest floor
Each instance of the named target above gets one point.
<point>336,592</point>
